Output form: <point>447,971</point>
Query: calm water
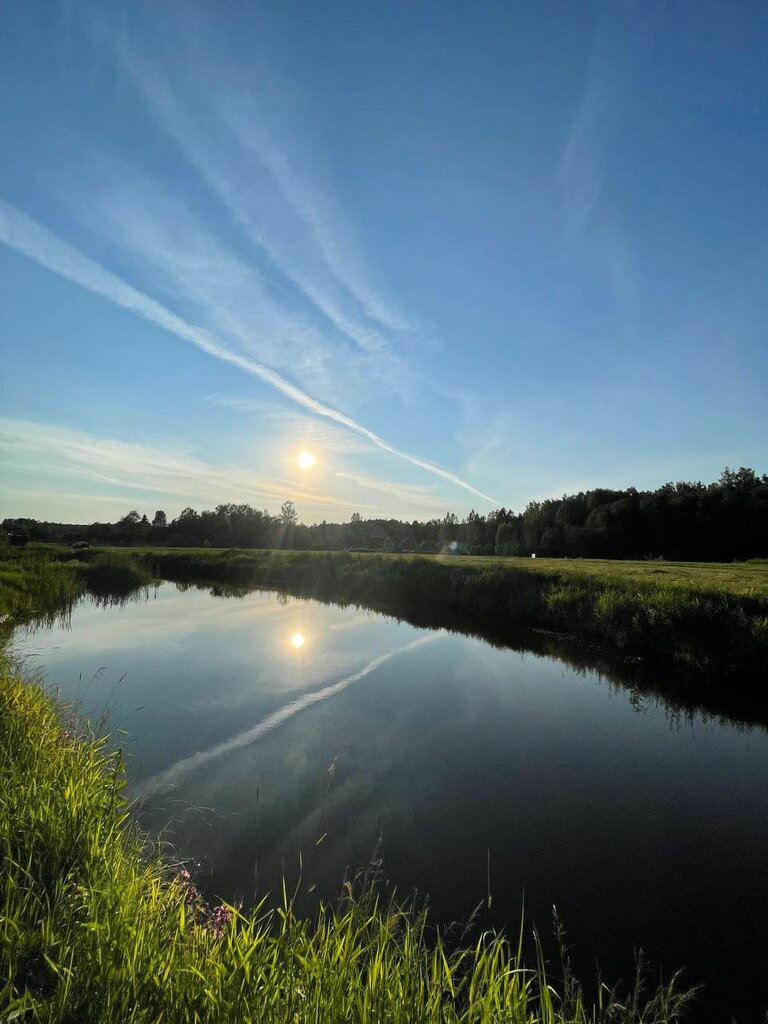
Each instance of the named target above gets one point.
<point>256,726</point>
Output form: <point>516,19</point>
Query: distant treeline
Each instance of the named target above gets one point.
<point>720,521</point>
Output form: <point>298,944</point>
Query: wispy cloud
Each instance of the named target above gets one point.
<point>582,169</point>
<point>300,430</point>
<point>27,236</point>
<point>306,432</point>
<point>139,469</point>
<point>422,497</point>
<point>235,298</point>
<point>287,218</point>
<point>316,210</point>
<point>76,499</point>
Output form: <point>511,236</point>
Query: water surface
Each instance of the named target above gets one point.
<point>270,736</point>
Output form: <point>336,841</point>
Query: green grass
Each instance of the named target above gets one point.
<point>712,619</point>
<point>114,574</point>
<point>34,586</point>
<point>749,579</point>
<point>96,927</point>
<point>41,584</point>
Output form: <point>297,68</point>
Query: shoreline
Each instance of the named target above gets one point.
<point>709,631</point>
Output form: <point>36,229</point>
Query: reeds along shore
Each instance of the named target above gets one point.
<point>96,927</point>
<point>701,618</point>
<point>697,622</point>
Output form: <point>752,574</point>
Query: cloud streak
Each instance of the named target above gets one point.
<point>303,431</point>
<point>141,468</point>
<point>313,208</point>
<point>27,236</point>
<point>581,173</point>
<point>304,246</point>
<point>222,291</point>
<point>423,497</point>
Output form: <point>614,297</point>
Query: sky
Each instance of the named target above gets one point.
<point>468,255</point>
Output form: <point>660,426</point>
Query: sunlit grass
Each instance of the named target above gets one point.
<point>706,617</point>
<point>696,616</point>
<point>38,586</point>
<point>96,927</point>
<point>749,579</point>
<point>32,585</point>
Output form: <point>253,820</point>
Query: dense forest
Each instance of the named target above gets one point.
<point>720,521</point>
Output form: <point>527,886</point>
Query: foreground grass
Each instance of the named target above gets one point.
<point>712,619</point>
<point>95,927</point>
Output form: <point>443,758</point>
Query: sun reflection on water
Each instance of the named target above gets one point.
<point>297,641</point>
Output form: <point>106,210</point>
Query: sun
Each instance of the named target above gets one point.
<point>305,460</point>
<point>297,640</point>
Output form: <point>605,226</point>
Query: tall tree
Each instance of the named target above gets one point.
<point>288,514</point>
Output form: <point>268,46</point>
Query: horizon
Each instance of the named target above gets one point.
<point>503,511</point>
<point>394,262</point>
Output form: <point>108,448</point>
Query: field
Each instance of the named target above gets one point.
<point>747,578</point>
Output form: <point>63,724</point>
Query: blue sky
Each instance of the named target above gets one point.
<point>468,255</point>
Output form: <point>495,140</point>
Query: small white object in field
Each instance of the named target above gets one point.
<point>533,556</point>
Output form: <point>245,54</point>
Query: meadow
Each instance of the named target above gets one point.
<point>747,578</point>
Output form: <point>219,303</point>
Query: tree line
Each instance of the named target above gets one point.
<point>684,521</point>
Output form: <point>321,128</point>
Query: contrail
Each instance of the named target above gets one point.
<point>171,776</point>
<point>28,236</point>
<point>310,207</point>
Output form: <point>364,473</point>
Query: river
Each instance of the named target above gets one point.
<point>268,736</point>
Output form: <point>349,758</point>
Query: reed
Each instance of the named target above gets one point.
<point>35,586</point>
<point>715,628</point>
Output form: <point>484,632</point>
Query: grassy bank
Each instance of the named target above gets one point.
<point>747,579</point>
<point>40,584</point>
<point>712,619</point>
<point>35,586</point>
<point>95,927</point>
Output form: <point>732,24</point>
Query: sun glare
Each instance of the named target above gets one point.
<point>305,460</point>
<point>297,640</point>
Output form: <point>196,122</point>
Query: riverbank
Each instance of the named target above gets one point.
<point>704,628</point>
<point>712,620</point>
<point>97,927</point>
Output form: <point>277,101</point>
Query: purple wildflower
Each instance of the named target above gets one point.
<point>220,920</point>
<point>191,894</point>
